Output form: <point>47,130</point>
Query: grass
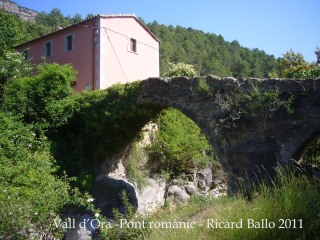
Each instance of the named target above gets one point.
<point>293,202</point>
<point>203,86</point>
<point>136,172</point>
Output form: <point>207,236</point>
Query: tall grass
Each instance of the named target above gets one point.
<point>292,203</point>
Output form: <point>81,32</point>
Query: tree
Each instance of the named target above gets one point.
<point>76,18</point>
<point>293,65</point>
<point>317,52</point>
<point>290,63</point>
<point>12,31</point>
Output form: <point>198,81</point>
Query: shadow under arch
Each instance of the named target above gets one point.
<point>107,194</point>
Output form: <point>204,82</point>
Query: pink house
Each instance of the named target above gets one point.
<point>104,49</point>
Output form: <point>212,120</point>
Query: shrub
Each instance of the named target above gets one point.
<point>32,98</point>
<point>31,195</point>
<point>13,66</point>
<point>179,144</point>
<point>203,87</point>
<point>255,102</point>
<point>181,69</point>
<point>136,166</point>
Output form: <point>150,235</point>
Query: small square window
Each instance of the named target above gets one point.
<point>133,45</point>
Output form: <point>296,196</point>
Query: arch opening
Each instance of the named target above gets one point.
<point>309,151</point>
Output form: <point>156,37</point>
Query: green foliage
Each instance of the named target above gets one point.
<point>33,99</point>
<point>209,53</point>
<point>258,102</point>
<point>179,144</point>
<point>136,166</point>
<point>293,65</point>
<point>48,22</point>
<point>312,154</point>
<point>203,87</point>
<point>255,102</point>
<point>12,31</point>
<point>181,69</point>
<point>311,72</point>
<point>13,66</point>
<point>31,195</point>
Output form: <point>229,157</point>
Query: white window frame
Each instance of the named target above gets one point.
<point>73,47</point>
<point>136,43</point>
<point>45,47</point>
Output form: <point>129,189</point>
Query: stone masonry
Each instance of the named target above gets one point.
<point>251,145</point>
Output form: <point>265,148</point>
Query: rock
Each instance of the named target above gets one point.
<point>83,231</point>
<point>191,189</point>
<point>107,194</point>
<point>175,181</point>
<point>152,196</point>
<point>206,175</point>
<point>177,195</point>
<point>22,12</point>
<point>202,184</point>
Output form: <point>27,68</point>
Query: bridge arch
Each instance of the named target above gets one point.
<point>254,142</point>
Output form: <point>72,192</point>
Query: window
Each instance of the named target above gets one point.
<point>26,53</point>
<point>48,49</point>
<point>133,45</point>
<point>87,87</point>
<point>69,42</point>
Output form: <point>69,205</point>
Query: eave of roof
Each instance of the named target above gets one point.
<point>58,30</point>
<point>130,16</point>
<point>90,19</point>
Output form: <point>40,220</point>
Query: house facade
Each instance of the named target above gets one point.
<point>104,50</point>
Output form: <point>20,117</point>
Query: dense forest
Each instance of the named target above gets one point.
<point>209,53</point>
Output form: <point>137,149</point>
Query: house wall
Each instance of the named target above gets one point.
<point>117,63</point>
<point>81,57</point>
<point>101,55</point>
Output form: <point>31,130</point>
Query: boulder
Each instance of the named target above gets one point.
<point>152,196</point>
<point>176,194</point>
<point>206,175</point>
<point>202,184</point>
<point>191,189</point>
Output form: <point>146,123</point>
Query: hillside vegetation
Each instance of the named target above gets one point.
<point>209,53</point>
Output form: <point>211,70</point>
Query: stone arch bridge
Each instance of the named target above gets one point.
<point>252,124</point>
